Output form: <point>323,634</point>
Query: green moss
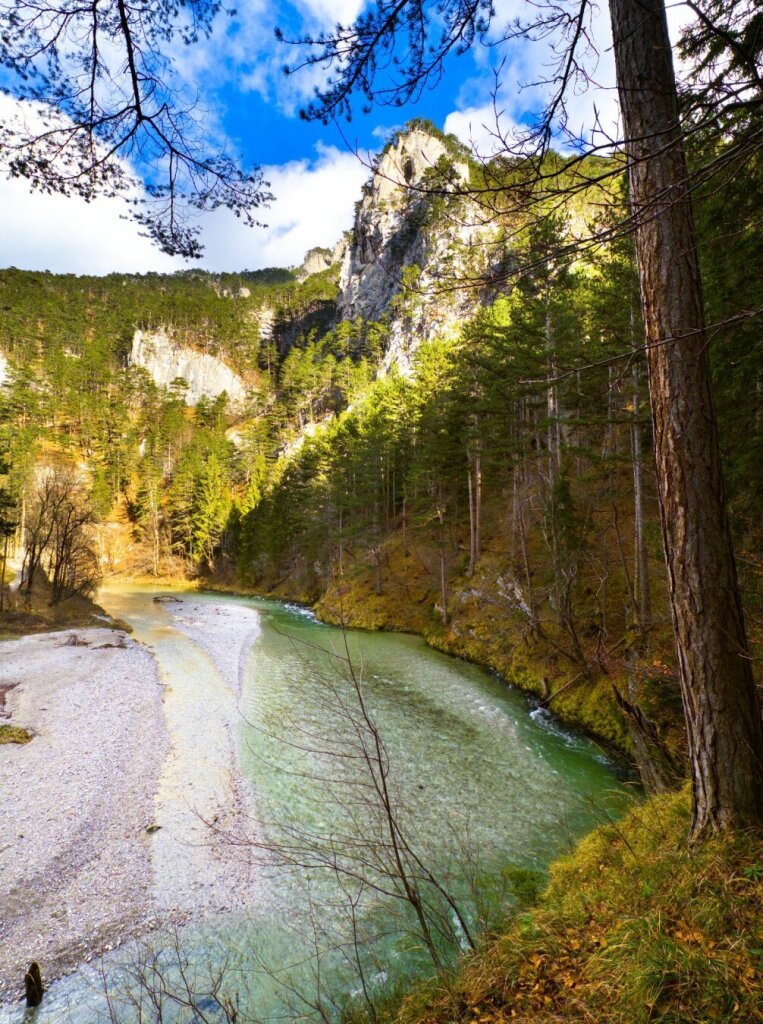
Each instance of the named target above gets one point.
<point>354,603</point>
<point>14,734</point>
<point>592,704</point>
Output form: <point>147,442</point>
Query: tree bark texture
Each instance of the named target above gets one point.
<point>641,588</point>
<point>720,700</point>
<point>474,488</point>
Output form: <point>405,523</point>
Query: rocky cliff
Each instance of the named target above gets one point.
<point>318,259</point>
<point>412,235</point>
<point>315,261</point>
<point>205,375</point>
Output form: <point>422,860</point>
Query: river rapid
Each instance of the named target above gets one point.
<point>274,875</point>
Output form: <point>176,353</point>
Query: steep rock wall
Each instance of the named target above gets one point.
<point>205,375</point>
<point>410,216</point>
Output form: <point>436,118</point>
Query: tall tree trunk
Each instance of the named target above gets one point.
<point>20,541</point>
<point>719,696</point>
<point>341,542</point>
<point>516,466</point>
<point>405,525</point>
<point>474,481</point>
<point>478,502</point>
<point>329,544</point>
<point>552,409</point>
<point>442,559</point>
<point>377,548</point>
<point>641,589</point>
<point>470,489</point>
<point>514,510</point>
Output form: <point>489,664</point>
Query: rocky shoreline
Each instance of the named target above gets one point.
<point>107,811</point>
<point>75,854</point>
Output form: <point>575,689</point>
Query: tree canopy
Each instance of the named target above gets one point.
<point>101,112</point>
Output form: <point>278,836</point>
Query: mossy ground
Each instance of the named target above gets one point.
<point>634,927</point>
<point>13,734</point>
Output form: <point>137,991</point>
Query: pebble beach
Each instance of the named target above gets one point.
<point>111,816</point>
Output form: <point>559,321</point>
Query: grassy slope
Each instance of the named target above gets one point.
<point>634,927</point>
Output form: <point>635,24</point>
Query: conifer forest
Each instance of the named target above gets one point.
<point>381,633</point>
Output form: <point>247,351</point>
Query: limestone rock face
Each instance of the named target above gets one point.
<point>318,259</point>
<point>397,227</point>
<point>205,375</point>
<point>266,319</point>
<point>341,247</point>
<point>315,261</point>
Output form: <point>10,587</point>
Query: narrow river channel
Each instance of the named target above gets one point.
<point>484,786</point>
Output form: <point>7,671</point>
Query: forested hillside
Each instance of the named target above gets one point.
<point>513,414</point>
<point>72,393</point>
<point>447,431</point>
<point>473,463</point>
<point>500,497</point>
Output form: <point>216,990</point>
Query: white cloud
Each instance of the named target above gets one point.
<point>493,106</point>
<point>516,89</point>
<point>328,12</point>
<point>43,231</point>
<point>592,108</point>
<point>243,51</point>
<point>476,128</point>
<point>70,236</point>
<point>384,133</point>
<point>314,204</point>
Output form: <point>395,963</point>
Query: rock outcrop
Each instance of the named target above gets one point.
<point>315,261</point>
<point>205,375</point>
<point>411,236</point>
<point>318,259</point>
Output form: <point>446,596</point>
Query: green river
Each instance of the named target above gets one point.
<point>480,783</point>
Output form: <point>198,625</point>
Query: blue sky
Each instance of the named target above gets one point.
<point>260,105</point>
<point>313,173</point>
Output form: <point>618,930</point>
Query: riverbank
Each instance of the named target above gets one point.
<point>111,811</point>
<point>634,927</point>
<point>22,616</point>
<point>479,631</point>
<point>75,857</point>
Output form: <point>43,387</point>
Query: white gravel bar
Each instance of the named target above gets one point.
<point>112,818</point>
<point>202,799</point>
<point>224,630</point>
<point>75,802</point>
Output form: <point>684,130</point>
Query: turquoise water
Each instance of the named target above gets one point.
<point>476,782</point>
